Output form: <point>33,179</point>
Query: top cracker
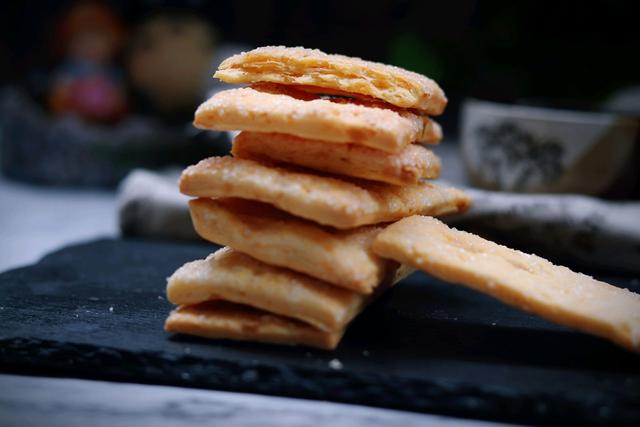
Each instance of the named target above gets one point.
<point>336,73</point>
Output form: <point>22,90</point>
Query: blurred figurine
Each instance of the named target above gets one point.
<point>87,83</point>
<point>171,61</point>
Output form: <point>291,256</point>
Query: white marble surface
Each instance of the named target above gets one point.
<point>29,401</point>
<point>36,220</point>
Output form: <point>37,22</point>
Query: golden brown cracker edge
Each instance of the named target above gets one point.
<point>525,281</point>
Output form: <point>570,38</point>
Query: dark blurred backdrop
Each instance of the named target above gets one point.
<point>572,52</point>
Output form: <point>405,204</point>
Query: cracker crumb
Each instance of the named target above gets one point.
<point>335,364</point>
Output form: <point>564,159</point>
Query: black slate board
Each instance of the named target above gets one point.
<point>96,311</point>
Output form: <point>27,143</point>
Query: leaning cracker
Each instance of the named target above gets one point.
<point>408,166</point>
<point>326,200</point>
<point>343,258</point>
<point>526,281</point>
<point>226,320</point>
<point>311,67</point>
<point>338,122</point>
<point>233,276</point>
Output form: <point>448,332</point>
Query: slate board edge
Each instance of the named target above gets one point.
<point>25,356</point>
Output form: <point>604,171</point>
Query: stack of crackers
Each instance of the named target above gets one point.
<point>325,204</point>
<point>329,153</point>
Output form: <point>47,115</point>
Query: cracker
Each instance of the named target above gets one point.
<point>322,119</point>
<point>525,281</point>
<point>226,320</point>
<point>309,93</point>
<point>325,200</point>
<point>408,166</point>
<point>311,67</point>
<point>343,258</point>
<point>233,276</point>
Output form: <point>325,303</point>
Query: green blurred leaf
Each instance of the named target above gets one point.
<point>408,51</point>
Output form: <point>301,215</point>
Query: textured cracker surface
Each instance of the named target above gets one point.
<point>233,276</point>
<point>526,281</point>
<point>338,122</point>
<point>225,320</point>
<point>408,166</point>
<point>325,200</point>
<point>343,258</point>
<point>312,67</point>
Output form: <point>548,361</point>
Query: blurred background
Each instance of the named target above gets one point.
<point>573,51</point>
<point>544,96</point>
<point>108,62</point>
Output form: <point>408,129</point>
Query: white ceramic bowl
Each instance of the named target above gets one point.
<point>532,149</point>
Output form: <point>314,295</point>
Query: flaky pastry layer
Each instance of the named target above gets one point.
<point>312,67</point>
<point>233,276</point>
<point>525,281</point>
<point>322,119</point>
<point>342,258</point>
<point>408,166</point>
<point>226,320</point>
<point>329,201</point>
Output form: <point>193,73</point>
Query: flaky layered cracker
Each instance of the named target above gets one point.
<point>408,166</point>
<point>314,68</point>
<point>525,281</point>
<point>226,320</point>
<point>337,122</point>
<point>233,276</point>
<point>326,200</point>
<point>339,257</point>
